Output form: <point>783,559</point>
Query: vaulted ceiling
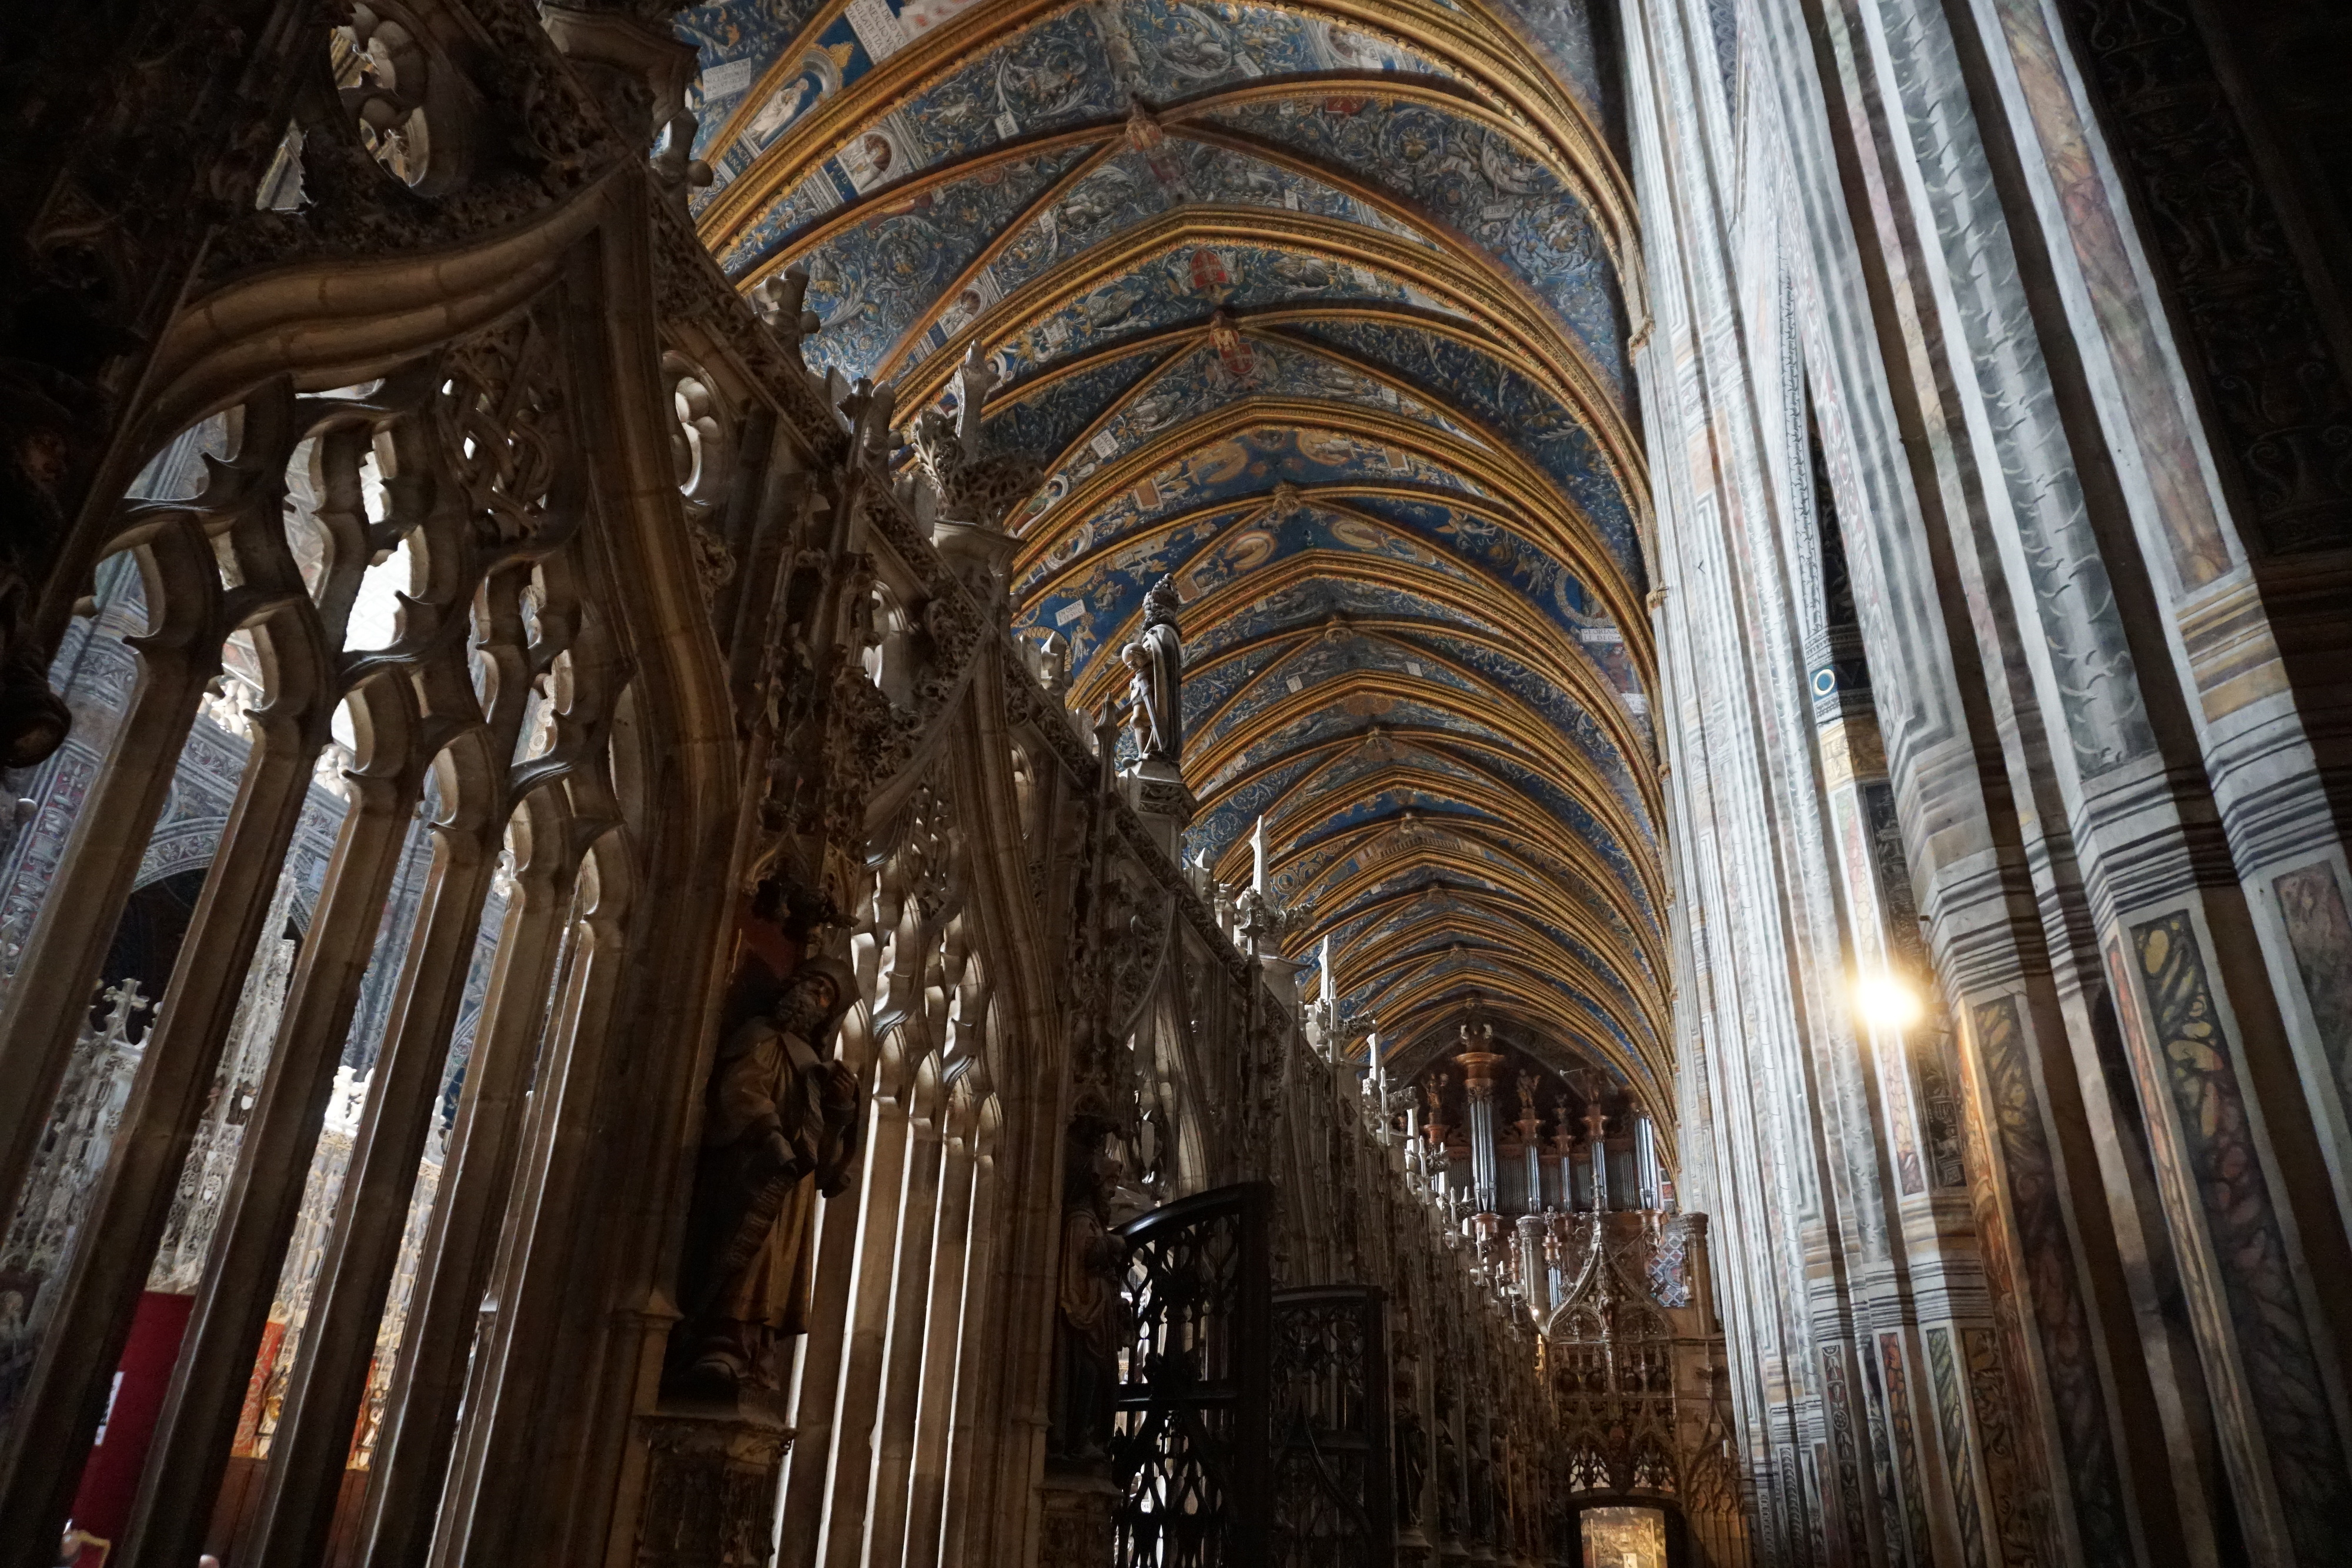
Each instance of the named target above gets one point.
<point>1322,311</point>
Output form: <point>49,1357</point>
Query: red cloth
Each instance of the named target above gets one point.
<point>109,1476</point>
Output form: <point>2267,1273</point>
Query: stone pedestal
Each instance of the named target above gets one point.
<point>1157,792</point>
<point>711,1482</point>
<point>1281,976</point>
<point>1076,1513</point>
<point>977,553</point>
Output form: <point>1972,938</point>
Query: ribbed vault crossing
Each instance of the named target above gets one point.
<point>1321,311</point>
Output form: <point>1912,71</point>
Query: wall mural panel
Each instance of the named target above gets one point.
<point>2186,1061</point>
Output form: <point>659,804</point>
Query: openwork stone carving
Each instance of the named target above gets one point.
<point>975,486</point>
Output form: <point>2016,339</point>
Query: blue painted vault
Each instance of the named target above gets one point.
<point>1326,312</point>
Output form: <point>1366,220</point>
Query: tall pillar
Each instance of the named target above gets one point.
<point>1482,1146</point>
<point>1596,1134</point>
<point>1645,1163</point>
<point>1535,1277</point>
<point>1478,1064</point>
<point>1531,1142</point>
<point>1562,1145</point>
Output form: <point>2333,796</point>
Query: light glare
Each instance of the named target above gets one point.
<point>1886,1002</point>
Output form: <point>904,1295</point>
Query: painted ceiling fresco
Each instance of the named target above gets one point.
<point>1327,320</point>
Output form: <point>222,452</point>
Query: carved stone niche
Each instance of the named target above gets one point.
<point>710,1490</point>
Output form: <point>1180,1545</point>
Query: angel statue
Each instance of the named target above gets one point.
<point>780,1129</point>
<point>1155,692</point>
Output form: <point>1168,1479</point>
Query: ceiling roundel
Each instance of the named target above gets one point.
<point>1320,311</point>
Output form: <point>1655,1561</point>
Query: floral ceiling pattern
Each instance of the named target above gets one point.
<point>1323,311</point>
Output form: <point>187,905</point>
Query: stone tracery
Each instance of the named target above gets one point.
<point>541,538</point>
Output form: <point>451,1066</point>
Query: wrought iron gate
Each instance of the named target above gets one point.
<point>1190,1432</point>
<point>1328,1397</point>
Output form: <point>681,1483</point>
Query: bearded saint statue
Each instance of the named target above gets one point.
<point>780,1129</point>
<point>1155,691</point>
<point>1095,1315</point>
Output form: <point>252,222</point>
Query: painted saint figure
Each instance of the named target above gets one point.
<point>1155,690</point>
<point>781,1128</point>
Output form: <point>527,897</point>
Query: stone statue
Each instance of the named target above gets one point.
<point>1449,1477</point>
<point>1410,1447</point>
<point>1155,689</point>
<point>1094,1312</point>
<point>781,1128</point>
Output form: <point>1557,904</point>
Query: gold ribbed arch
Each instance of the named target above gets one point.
<point>1546,902</point>
<point>1480,49</point>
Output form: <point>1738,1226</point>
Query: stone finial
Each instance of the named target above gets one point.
<point>974,379</point>
<point>780,301</point>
